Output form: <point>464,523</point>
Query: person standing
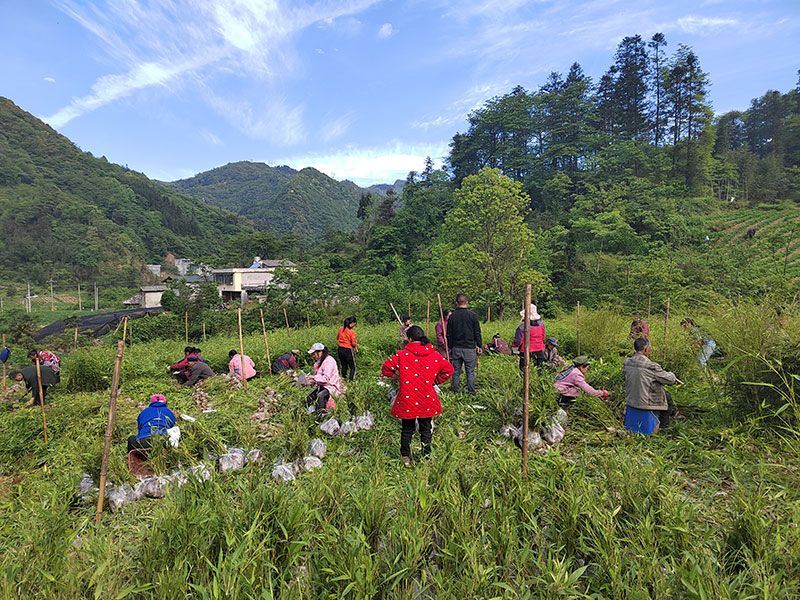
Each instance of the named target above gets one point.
<point>417,367</point>
<point>441,328</point>
<point>639,328</point>
<point>464,340</point>
<point>648,407</point>
<point>347,343</point>
<point>235,366</point>
<point>535,343</point>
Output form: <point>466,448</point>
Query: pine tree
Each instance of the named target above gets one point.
<point>631,87</point>
<point>657,59</point>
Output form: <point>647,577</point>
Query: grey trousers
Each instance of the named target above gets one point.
<point>469,358</point>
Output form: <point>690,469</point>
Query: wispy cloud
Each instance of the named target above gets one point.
<point>386,31</point>
<point>211,138</point>
<point>367,166</point>
<point>49,79</point>
<point>158,42</point>
<point>468,100</point>
<point>277,121</point>
<point>336,128</point>
<point>704,25</point>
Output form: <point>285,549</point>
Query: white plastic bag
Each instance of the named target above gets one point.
<point>317,447</point>
<point>553,433</point>
<point>364,422</point>
<point>311,462</point>
<point>331,426</point>
<point>174,435</point>
<point>232,461</point>
<point>283,473</point>
<point>347,427</point>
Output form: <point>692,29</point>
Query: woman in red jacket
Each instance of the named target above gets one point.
<point>418,367</point>
<point>535,344</point>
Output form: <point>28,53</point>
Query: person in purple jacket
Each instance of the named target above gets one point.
<point>571,383</point>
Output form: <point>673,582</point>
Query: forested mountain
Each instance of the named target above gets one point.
<point>281,200</point>
<point>68,215</point>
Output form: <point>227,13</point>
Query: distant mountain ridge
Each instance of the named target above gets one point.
<point>280,199</point>
<point>67,214</point>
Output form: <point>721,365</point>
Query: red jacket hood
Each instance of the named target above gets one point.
<point>418,349</point>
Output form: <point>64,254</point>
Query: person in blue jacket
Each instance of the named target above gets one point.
<point>152,421</point>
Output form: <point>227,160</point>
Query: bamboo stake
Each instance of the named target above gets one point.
<point>186,326</point>
<point>112,410</point>
<point>308,320</point>
<point>241,350</point>
<point>578,328</point>
<point>396,316</point>
<point>526,378</point>
<point>4,364</point>
<point>80,302</point>
<point>266,343</point>
<point>76,337</point>
<point>444,326</point>
<point>124,329</point>
<point>428,319</point>
<point>666,329</point>
<point>204,331</point>
<point>489,313</point>
<point>41,398</point>
<point>286,318</point>
<point>649,301</point>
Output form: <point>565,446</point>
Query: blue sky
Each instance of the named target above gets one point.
<point>361,89</point>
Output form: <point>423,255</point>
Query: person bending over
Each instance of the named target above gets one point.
<point>571,383</point>
<point>648,406</point>
<point>152,422</point>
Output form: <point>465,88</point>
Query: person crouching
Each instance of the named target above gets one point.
<point>418,367</point>
<point>571,383</point>
<point>326,379</point>
<point>153,421</point>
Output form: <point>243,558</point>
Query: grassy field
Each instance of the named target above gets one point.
<point>708,509</point>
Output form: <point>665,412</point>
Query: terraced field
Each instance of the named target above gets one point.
<point>776,244</point>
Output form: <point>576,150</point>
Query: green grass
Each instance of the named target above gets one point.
<point>708,509</point>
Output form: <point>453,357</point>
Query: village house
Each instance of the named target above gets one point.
<point>149,296</point>
<point>239,282</point>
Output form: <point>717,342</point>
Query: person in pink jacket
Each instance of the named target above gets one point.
<point>326,379</point>
<point>571,382</point>
<point>235,365</point>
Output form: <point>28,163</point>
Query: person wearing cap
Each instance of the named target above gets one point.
<point>648,407</point>
<point>235,366</point>
<point>285,362</point>
<point>571,383</point>
<point>552,359</point>
<point>497,345</point>
<point>198,370</point>
<point>326,379</point>
<point>535,343</point>
<point>152,421</point>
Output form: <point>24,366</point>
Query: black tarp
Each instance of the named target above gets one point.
<point>95,325</point>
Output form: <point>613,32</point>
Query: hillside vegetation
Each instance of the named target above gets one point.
<point>709,508</point>
<point>66,214</point>
<point>281,200</point>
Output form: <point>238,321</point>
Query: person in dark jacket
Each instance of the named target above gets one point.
<point>181,368</point>
<point>285,362</point>
<point>152,421</point>
<point>464,341</point>
<point>197,370</point>
<point>28,375</point>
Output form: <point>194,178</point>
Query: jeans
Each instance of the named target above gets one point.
<point>425,433</point>
<point>348,361</point>
<point>706,351</point>
<point>469,358</point>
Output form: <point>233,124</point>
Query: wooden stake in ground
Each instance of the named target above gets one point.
<point>80,302</point>
<point>578,328</point>
<point>204,331</point>
<point>649,302</point>
<point>112,411</point>
<point>186,326</point>
<point>286,318</point>
<point>4,364</point>
<point>396,316</point>
<point>266,343</point>
<point>124,329</point>
<point>308,320</point>
<point>241,350</point>
<point>526,378</point>
<point>666,329</point>
<point>41,398</point>
<point>489,313</point>
<point>428,319</point>
<point>444,326</point>
<point>76,337</point>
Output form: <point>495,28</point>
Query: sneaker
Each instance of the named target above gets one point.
<point>406,461</point>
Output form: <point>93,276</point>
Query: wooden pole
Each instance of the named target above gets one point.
<point>186,326</point>
<point>578,328</point>
<point>266,343</point>
<point>124,329</point>
<point>76,337</point>
<point>204,331</point>
<point>396,316</point>
<point>41,398</point>
<point>444,326</point>
<point>649,302</point>
<point>286,318</point>
<point>489,313</point>
<point>4,364</point>
<point>666,329</point>
<point>308,320</point>
<point>241,350</point>
<point>80,301</point>
<point>112,410</point>
<point>428,319</point>
<point>526,378</point>
<point>52,297</point>
<point>96,298</point>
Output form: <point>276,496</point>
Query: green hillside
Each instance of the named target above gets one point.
<point>69,215</point>
<point>279,199</point>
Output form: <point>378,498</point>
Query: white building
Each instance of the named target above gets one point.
<point>149,296</point>
<point>237,283</point>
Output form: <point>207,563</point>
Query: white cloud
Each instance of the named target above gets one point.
<point>276,121</point>
<point>336,128</point>
<point>211,138</point>
<point>367,166</point>
<point>157,42</point>
<point>458,110</point>
<point>49,79</point>
<point>693,24</point>
<point>386,31</point>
